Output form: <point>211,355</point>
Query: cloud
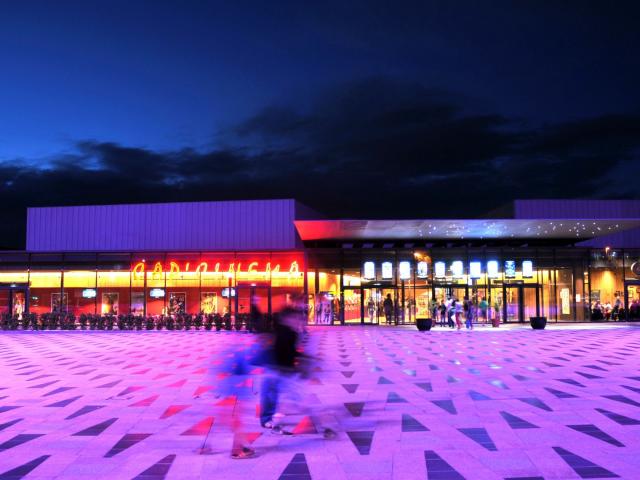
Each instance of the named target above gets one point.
<point>375,148</point>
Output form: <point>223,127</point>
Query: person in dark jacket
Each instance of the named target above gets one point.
<point>284,361</point>
<point>387,305</point>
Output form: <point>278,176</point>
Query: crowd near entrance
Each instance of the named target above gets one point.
<point>497,286</point>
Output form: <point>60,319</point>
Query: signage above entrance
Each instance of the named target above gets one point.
<point>492,269</point>
<point>369,270</point>
<point>387,270</point>
<point>440,270</point>
<point>475,269</point>
<point>527,269</point>
<point>405,270</point>
<point>510,269</point>
<point>423,270</point>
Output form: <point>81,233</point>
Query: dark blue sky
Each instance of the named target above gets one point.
<point>164,75</point>
<point>198,96</point>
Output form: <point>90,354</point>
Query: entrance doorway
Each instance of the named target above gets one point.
<point>378,309</point>
<point>248,296</point>
<point>449,291</point>
<point>632,299</point>
<point>521,301</point>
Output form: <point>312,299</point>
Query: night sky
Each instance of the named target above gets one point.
<point>359,109</point>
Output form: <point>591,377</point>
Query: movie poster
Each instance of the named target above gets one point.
<point>177,303</point>
<point>565,298</point>
<point>110,303</point>
<point>18,303</point>
<point>58,306</point>
<point>209,303</point>
<point>137,303</point>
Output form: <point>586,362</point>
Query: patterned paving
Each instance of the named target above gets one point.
<point>563,403</point>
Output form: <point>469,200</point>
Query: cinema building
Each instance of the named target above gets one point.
<point>566,260</point>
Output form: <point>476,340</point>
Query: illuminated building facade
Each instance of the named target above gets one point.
<point>566,260</point>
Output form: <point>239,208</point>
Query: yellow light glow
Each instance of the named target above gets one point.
<point>113,279</point>
<point>45,279</point>
<point>79,279</point>
<point>13,277</point>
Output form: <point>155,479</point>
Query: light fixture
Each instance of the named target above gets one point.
<point>89,293</point>
<point>492,269</point>
<point>405,270</point>
<point>369,270</point>
<point>423,269</point>
<point>387,270</point>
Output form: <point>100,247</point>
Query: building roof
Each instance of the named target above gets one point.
<point>188,226</point>
<point>568,228</point>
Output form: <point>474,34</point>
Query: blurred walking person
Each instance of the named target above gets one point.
<point>235,390</point>
<point>285,364</point>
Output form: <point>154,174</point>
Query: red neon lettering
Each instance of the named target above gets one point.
<point>253,268</point>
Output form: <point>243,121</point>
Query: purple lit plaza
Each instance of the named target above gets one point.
<point>495,348</point>
<point>512,402</point>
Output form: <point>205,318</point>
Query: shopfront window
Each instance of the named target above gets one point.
<point>113,293</point>
<point>287,279</point>
<point>311,296</point>
<point>217,291</point>
<point>13,292</point>
<point>564,294</point>
<point>45,292</point>
<point>80,290</point>
<point>632,284</point>
<point>327,299</point>
<point>182,289</point>
<point>607,284</point>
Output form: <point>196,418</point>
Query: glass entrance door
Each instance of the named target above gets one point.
<point>513,304</point>
<point>520,302</point>
<point>351,305</point>
<point>447,292</point>
<point>381,306</point>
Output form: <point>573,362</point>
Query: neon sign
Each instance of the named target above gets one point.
<point>229,270</point>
